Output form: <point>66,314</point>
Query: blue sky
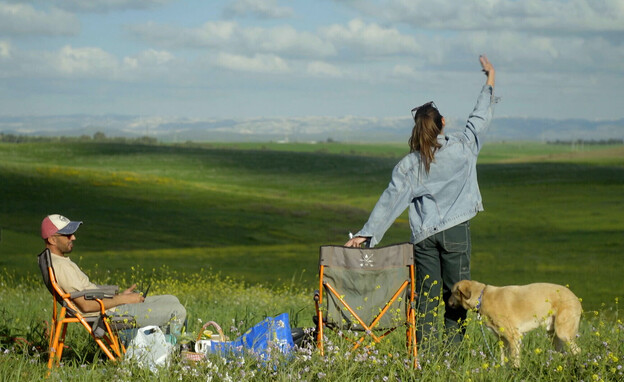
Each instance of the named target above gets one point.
<point>302,58</point>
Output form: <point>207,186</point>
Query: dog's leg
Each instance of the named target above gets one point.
<point>560,345</point>
<point>504,350</point>
<point>566,327</point>
<point>513,340</point>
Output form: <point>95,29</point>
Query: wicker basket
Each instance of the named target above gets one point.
<point>193,356</point>
<point>216,326</point>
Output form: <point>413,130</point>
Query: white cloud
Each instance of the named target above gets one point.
<point>24,20</point>
<point>323,69</point>
<point>521,52</point>
<point>208,35</point>
<point>83,62</point>
<point>286,40</point>
<point>259,63</point>
<point>231,37</point>
<point>5,49</point>
<point>371,38</point>
<point>405,71</point>
<point>528,15</point>
<point>72,63</point>
<point>146,63</point>
<point>104,5</point>
<point>268,9</point>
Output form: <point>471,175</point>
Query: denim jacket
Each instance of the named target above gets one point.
<point>445,197</point>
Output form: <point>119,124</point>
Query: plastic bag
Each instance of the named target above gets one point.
<point>149,348</point>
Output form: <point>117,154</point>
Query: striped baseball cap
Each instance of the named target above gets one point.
<point>53,224</point>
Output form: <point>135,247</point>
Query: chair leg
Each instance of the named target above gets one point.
<point>411,338</point>
<point>99,341</point>
<point>60,345</point>
<point>51,330</point>
<point>56,351</point>
<point>319,333</point>
<point>104,348</point>
<point>113,340</point>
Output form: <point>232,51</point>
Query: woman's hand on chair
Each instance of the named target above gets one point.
<point>356,241</point>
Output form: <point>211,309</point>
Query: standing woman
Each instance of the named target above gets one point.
<point>438,182</point>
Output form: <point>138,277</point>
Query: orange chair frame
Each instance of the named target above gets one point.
<point>108,341</point>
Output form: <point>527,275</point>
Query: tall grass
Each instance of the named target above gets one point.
<point>234,231</point>
<point>237,306</point>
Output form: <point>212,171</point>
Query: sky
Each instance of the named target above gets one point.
<point>204,59</point>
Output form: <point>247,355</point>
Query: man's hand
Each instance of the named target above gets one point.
<point>130,297</point>
<point>488,69</point>
<point>129,290</point>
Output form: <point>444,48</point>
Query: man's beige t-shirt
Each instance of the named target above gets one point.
<point>69,276</point>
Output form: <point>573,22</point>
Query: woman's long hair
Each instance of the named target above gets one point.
<point>424,139</point>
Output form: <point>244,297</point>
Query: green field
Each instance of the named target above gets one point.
<point>233,230</point>
<point>259,212</point>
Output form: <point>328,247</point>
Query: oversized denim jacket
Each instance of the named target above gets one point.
<point>445,197</point>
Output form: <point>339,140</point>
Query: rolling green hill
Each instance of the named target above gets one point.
<point>259,212</point>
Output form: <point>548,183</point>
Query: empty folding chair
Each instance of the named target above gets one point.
<point>369,290</point>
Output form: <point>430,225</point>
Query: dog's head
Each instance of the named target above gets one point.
<point>466,294</point>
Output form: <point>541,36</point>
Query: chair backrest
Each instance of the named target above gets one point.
<point>366,278</point>
<point>45,262</point>
<point>49,279</point>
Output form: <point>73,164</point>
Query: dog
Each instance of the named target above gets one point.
<point>511,311</point>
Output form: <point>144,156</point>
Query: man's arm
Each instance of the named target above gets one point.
<point>126,297</point>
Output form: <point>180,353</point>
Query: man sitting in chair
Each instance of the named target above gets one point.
<point>58,232</point>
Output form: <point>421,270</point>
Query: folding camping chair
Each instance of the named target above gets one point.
<point>99,326</point>
<point>369,290</point>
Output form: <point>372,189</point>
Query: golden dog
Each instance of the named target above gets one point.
<point>511,311</point>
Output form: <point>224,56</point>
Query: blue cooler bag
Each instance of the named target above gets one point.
<point>270,335</point>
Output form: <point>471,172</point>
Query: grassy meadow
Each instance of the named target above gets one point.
<point>234,230</point>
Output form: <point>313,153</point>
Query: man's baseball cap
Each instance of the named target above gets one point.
<point>53,224</point>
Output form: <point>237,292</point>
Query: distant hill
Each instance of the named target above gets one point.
<point>301,129</point>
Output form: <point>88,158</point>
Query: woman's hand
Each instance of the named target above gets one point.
<point>356,241</point>
<point>488,69</point>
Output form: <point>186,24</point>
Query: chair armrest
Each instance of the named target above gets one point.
<point>113,288</point>
<point>93,294</point>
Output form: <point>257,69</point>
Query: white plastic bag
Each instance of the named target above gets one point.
<point>149,348</point>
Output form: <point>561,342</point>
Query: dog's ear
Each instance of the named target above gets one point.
<point>464,290</point>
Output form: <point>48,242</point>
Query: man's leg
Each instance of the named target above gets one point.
<point>455,267</point>
<point>160,310</point>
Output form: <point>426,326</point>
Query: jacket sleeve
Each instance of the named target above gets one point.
<point>392,202</point>
<point>479,119</point>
